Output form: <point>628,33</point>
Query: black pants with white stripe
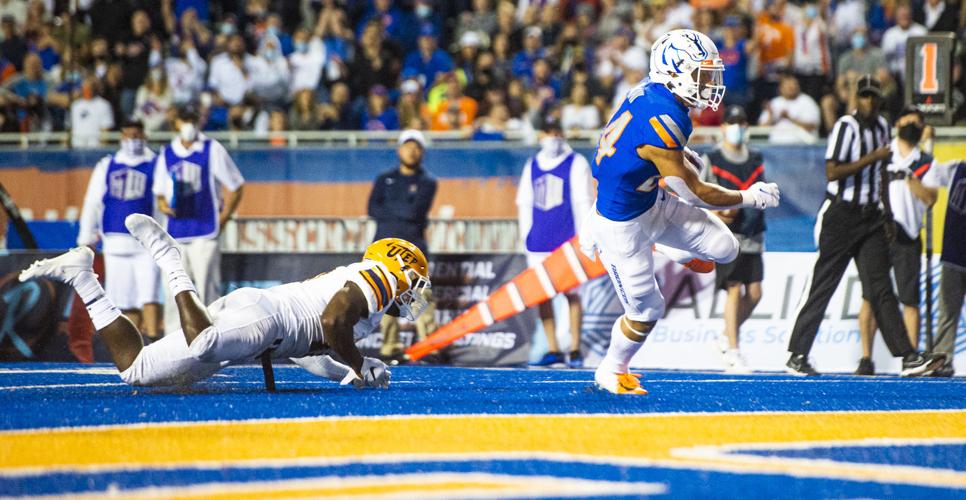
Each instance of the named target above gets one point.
<point>850,232</point>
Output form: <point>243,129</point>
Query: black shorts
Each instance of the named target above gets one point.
<point>747,268</point>
<point>906,257</point>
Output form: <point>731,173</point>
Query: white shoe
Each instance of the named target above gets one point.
<point>151,236</point>
<point>722,343</point>
<point>735,363</point>
<point>64,267</point>
<point>619,383</point>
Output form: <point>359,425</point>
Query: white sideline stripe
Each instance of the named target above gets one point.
<point>574,262</point>
<point>544,280</point>
<point>75,371</point>
<point>485,313</point>
<point>515,297</point>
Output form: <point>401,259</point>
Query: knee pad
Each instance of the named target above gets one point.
<point>203,348</point>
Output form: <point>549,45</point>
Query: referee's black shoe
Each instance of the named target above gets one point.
<point>798,365</point>
<point>916,364</point>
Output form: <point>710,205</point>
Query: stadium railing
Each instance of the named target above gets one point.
<point>241,139</point>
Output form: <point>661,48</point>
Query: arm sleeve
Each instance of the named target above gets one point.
<point>323,366</point>
<point>706,174</point>
<point>224,168</point>
<point>525,203</point>
<point>93,204</point>
<point>581,190</point>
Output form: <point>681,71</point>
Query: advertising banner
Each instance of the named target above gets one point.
<point>687,338</point>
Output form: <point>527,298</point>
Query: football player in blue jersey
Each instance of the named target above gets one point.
<point>645,141</point>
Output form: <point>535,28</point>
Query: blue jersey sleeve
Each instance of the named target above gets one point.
<point>663,126</point>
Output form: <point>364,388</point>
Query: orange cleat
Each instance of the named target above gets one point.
<point>700,266</point>
<point>619,383</point>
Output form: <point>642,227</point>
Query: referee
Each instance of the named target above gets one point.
<point>852,226</point>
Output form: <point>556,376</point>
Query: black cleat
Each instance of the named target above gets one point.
<point>798,365</point>
<point>916,364</point>
<point>866,367</point>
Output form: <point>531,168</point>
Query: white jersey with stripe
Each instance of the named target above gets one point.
<point>908,210</point>
<point>301,304</point>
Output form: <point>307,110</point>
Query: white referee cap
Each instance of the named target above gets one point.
<point>412,135</point>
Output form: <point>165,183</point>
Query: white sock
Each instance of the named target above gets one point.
<point>621,350</point>
<point>178,280</point>
<point>102,311</point>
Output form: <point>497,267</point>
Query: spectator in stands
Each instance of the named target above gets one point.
<point>732,164</point>
<point>549,23</point>
<point>379,113</point>
<point>186,73</point>
<point>111,88</point>
<point>409,107</point>
<point>193,31</point>
<point>736,53</point>
<point>578,113</point>
<point>307,61</point>
<point>45,47</point>
<point>456,111</point>
<point>811,62</point>
<point>544,83</point>
<point>429,61</point>
<point>494,125</point>
<point>270,76</point>
<point>376,61</point>
<point>6,70</point>
<point>393,19</point>
<point>480,19</point>
<point>776,40</point>
<point>100,56</point>
<point>153,101</point>
<point>304,114</point>
<point>502,58</point>
<point>555,192</point>
<point>469,51</point>
<point>230,75</point>
<point>133,54</point>
<point>838,102</point>
<point>937,15</point>
<point>633,68</point>
<point>425,14</point>
<point>16,10</point>
<point>30,94</point>
<point>613,17</point>
<point>863,58</point>
<point>274,28</point>
<point>894,40</point>
<point>338,114</point>
<point>14,46</point>
<point>793,116</point>
<point>847,17</point>
<point>524,60</point>
<point>90,116</point>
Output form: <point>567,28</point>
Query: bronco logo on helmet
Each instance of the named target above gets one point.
<point>688,64</point>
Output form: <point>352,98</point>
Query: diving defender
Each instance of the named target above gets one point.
<point>645,141</point>
<point>305,321</point>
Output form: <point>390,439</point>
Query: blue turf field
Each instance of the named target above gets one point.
<point>458,432</point>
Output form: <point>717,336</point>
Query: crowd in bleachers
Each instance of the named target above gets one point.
<point>482,67</point>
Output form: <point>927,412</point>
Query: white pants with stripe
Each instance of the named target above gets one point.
<point>625,248</point>
<point>245,323</point>
<point>202,262</point>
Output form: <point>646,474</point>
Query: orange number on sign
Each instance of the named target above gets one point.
<point>605,146</point>
<point>929,83</point>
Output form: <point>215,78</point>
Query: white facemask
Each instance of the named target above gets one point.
<point>188,132</point>
<point>734,134</point>
<point>132,147</point>
<point>553,145</point>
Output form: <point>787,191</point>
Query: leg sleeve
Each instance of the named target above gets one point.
<point>167,362</point>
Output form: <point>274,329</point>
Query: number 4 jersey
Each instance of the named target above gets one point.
<point>627,183</point>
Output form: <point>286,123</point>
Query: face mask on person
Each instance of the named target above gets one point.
<point>423,10</point>
<point>157,75</point>
<point>227,29</point>
<point>552,144</point>
<point>271,54</point>
<point>911,133</point>
<point>858,41</point>
<point>811,12</point>
<point>734,133</point>
<point>301,47</point>
<point>132,147</point>
<point>188,132</point>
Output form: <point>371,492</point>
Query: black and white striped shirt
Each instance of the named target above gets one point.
<point>849,141</point>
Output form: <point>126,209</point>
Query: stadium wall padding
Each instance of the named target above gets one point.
<point>477,181</point>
